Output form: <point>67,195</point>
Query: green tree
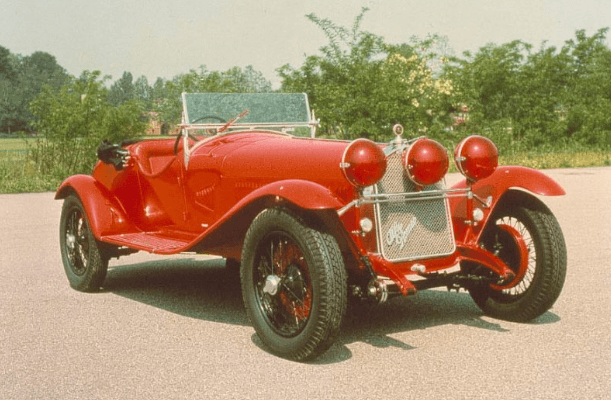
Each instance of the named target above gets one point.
<point>246,80</point>
<point>122,90</point>
<point>167,94</point>
<point>21,79</point>
<point>38,70</point>
<point>587,105</point>
<point>550,97</point>
<point>9,112</point>
<point>143,92</point>
<point>73,121</point>
<point>7,67</point>
<point>360,86</point>
<point>10,99</point>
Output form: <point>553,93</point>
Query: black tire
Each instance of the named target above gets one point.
<point>542,281</point>
<point>294,285</point>
<point>81,255</point>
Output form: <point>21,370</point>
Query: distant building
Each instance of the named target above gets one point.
<point>157,127</point>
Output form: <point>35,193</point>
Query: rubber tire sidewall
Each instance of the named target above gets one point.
<point>329,288</point>
<point>550,270</point>
<point>97,266</point>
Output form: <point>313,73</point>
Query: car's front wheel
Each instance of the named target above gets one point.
<point>293,284</point>
<point>83,261</point>
<point>527,237</point>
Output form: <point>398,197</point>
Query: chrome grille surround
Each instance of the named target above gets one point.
<point>411,224</point>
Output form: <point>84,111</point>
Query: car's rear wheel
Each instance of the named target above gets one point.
<point>293,284</point>
<point>83,261</point>
<point>527,237</point>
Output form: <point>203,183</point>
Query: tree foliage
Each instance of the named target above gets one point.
<point>546,97</point>
<point>21,79</point>
<point>360,85</point>
<point>122,90</point>
<point>167,94</point>
<point>73,121</point>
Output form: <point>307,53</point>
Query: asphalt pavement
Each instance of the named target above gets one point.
<point>175,327</point>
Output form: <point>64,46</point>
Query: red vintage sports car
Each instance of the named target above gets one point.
<point>311,222</point>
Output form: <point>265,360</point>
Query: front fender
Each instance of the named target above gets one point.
<point>228,232</point>
<point>105,213</point>
<point>502,181</point>
<point>304,194</point>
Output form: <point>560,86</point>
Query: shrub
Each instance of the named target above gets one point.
<point>72,122</point>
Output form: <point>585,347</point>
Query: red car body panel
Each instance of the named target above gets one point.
<point>168,199</point>
<point>157,196</point>
<point>505,178</point>
<point>104,210</point>
<point>159,205</point>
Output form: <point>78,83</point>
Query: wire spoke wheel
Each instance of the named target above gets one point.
<point>83,262</point>
<point>527,237</point>
<point>293,284</point>
<point>512,242</point>
<point>77,244</point>
<point>283,284</point>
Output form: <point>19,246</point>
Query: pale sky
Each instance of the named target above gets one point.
<point>163,38</point>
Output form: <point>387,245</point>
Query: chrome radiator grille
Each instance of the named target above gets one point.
<point>414,228</point>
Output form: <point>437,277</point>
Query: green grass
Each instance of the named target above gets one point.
<point>15,143</point>
<point>21,176</point>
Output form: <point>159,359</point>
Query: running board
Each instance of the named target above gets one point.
<point>152,242</point>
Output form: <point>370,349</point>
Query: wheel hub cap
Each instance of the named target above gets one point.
<point>70,241</point>
<point>272,283</point>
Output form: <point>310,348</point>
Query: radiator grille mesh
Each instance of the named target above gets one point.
<point>412,229</point>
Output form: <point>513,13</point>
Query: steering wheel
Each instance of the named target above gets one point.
<point>208,117</point>
<point>192,137</point>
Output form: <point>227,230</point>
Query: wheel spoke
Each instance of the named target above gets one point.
<point>507,250</point>
<point>284,301</point>
<point>76,241</point>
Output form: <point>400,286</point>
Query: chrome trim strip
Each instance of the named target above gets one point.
<point>408,196</point>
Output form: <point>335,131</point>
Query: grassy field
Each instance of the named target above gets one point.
<point>15,143</point>
<point>18,174</point>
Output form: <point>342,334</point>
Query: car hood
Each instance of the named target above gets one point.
<point>284,157</point>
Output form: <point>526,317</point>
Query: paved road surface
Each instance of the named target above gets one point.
<point>175,328</point>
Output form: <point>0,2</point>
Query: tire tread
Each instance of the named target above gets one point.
<point>549,277</point>
<point>331,276</point>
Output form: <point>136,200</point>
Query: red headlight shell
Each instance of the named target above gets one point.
<point>363,163</point>
<point>476,157</point>
<point>426,162</point>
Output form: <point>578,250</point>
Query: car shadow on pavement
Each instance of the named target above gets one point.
<point>206,290</point>
<point>194,288</point>
<point>374,324</point>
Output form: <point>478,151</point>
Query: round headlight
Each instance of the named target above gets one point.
<point>425,161</point>
<point>363,163</point>
<point>476,157</point>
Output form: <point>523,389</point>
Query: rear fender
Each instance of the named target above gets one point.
<point>503,185</point>
<point>105,213</point>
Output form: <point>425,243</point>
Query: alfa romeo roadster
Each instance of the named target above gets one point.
<point>310,223</point>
